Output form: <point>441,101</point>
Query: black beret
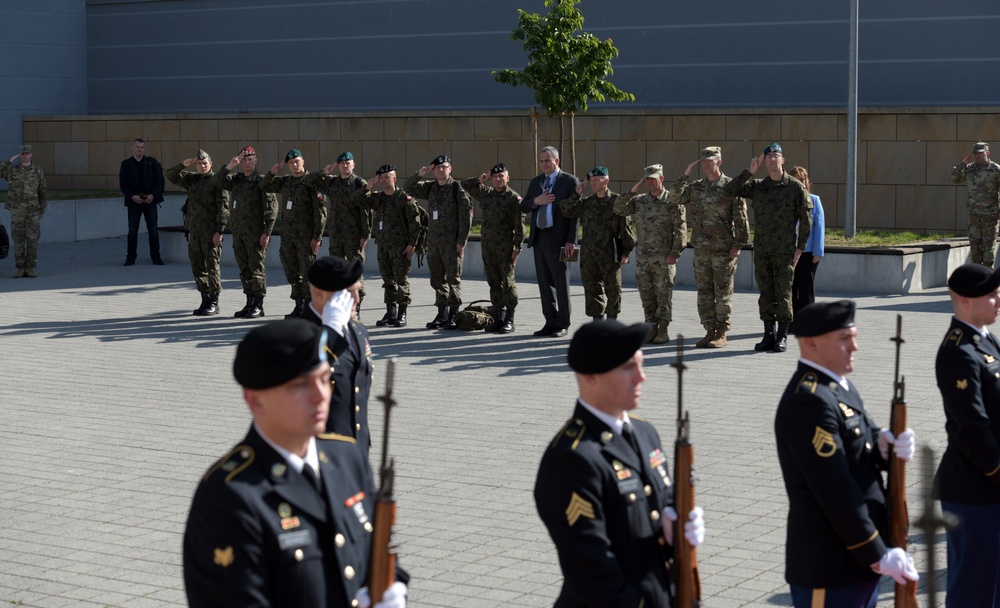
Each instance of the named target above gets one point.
<point>441,160</point>
<point>293,153</point>
<point>601,346</point>
<point>274,353</point>
<point>498,168</point>
<point>974,280</point>
<point>385,169</point>
<point>823,317</point>
<point>332,273</point>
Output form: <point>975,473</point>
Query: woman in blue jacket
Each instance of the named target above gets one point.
<point>803,281</point>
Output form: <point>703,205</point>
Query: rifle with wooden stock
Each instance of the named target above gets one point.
<point>687,583</point>
<point>899,518</point>
<point>383,559</point>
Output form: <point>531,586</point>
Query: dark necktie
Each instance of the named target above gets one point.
<point>543,213</point>
<point>310,474</point>
<point>629,436</point>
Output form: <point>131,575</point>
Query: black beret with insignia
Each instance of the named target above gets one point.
<point>974,280</point>
<point>385,169</point>
<point>441,160</point>
<point>498,168</point>
<point>293,153</point>
<point>823,317</point>
<point>601,346</point>
<point>332,273</point>
<point>277,352</point>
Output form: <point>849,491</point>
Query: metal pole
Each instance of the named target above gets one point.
<point>851,185</point>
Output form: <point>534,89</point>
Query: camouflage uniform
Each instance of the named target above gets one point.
<point>984,208</point>
<point>253,214</point>
<point>303,217</point>
<point>718,225</point>
<point>502,235</point>
<point>661,232</point>
<point>207,210</point>
<point>27,200</point>
<point>396,227</point>
<point>777,207</point>
<point>607,238</point>
<point>349,220</point>
<point>450,209</point>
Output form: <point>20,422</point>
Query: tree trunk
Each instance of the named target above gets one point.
<point>562,133</point>
<point>572,143</point>
<point>534,132</point>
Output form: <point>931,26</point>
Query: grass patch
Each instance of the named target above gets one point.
<point>883,238</point>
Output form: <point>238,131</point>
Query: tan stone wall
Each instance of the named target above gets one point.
<point>904,155</point>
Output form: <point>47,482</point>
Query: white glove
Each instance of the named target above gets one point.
<point>394,597</point>
<point>338,311</point>
<point>694,528</point>
<point>898,564</point>
<point>903,446</point>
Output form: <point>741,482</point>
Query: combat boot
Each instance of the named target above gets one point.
<point>662,337</point>
<point>400,317</point>
<point>389,318</point>
<point>213,305</point>
<point>256,309</point>
<point>439,319</point>
<point>652,333</point>
<point>242,313</point>
<point>449,323</point>
<point>709,336</point>
<point>30,273</point>
<point>497,323</point>
<point>508,322</point>
<point>781,340</point>
<point>768,342</point>
<point>719,340</point>
<point>200,311</point>
<point>19,274</point>
<point>300,305</point>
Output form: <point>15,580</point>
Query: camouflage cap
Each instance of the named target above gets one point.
<point>202,155</point>
<point>385,169</point>
<point>345,156</point>
<point>293,153</point>
<point>498,168</point>
<point>980,146</point>
<point>775,147</point>
<point>24,149</point>
<point>441,160</point>
<point>653,171</point>
<point>711,153</point>
<point>598,172</point>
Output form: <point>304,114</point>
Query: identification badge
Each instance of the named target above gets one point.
<point>380,224</point>
<point>434,215</point>
<point>294,540</point>
<point>234,204</point>
<point>289,206</point>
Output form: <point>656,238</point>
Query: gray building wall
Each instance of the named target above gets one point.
<point>44,70</point>
<point>351,55</point>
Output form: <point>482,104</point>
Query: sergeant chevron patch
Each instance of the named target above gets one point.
<point>962,384</point>
<point>578,507</point>
<point>823,442</point>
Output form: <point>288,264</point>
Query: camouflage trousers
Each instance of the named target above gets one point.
<point>446,271</point>
<point>204,257</point>
<point>982,239</point>
<point>395,270</point>
<point>25,230</point>
<point>499,270</point>
<point>713,273</point>
<point>773,273</point>
<point>655,280</point>
<point>296,257</point>
<point>348,249</point>
<point>602,282</point>
<point>250,260</point>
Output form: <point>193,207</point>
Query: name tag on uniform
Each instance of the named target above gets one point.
<point>289,206</point>
<point>294,540</point>
<point>434,216</point>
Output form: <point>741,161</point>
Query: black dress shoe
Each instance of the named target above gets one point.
<point>545,331</point>
<point>559,333</point>
<point>158,261</point>
<point>129,262</point>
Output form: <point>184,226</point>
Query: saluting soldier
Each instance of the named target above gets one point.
<point>832,454</point>
<point>205,217</point>
<point>27,199</point>
<point>968,478</point>
<point>450,210</point>
<point>286,517</point>
<point>251,221</point>
<point>334,283</point>
<point>303,218</point>
<point>982,178</point>
<point>608,240</point>
<point>603,490</point>
<point>502,238</point>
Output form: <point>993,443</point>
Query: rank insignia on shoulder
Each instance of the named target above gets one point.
<point>578,507</point>
<point>223,557</point>
<point>808,382</point>
<point>955,336</point>
<point>962,384</point>
<point>847,411</point>
<point>824,444</point>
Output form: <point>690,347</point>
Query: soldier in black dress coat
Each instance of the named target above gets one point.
<point>285,518</point>
<point>968,478</point>
<point>335,286</point>
<point>831,455</point>
<point>605,501</point>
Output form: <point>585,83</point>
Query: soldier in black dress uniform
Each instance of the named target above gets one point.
<point>603,488</point>
<point>335,287</point>
<point>285,518</point>
<point>968,478</point>
<point>832,455</point>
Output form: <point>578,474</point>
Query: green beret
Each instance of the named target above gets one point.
<point>974,280</point>
<point>277,352</point>
<point>293,153</point>
<point>598,171</point>
<point>822,318</point>
<point>332,273</point>
<point>772,148</point>
<point>345,156</point>
<point>601,346</point>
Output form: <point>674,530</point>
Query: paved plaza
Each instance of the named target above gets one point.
<point>115,400</point>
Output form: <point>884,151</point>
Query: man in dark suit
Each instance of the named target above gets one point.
<point>552,237</point>
<point>335,286</point>
<point>141,181</point>
<point>831,455</point>
<point>968,478</point>
<point>603,490</point>
<point>286,517</point>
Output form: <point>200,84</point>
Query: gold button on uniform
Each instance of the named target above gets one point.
<point>357,427</point>
<point>299,555</point>
<point>857,432</point>
<point>368,526</point>
<point>348,573</point>
<point>357,389</point>
<point>868,446</point>
<point>354,603</point>
<point>339,540</point>
<point>631,497</point>
<point>654,515</point>
<point>357,408</point>
<point>648,490</point>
